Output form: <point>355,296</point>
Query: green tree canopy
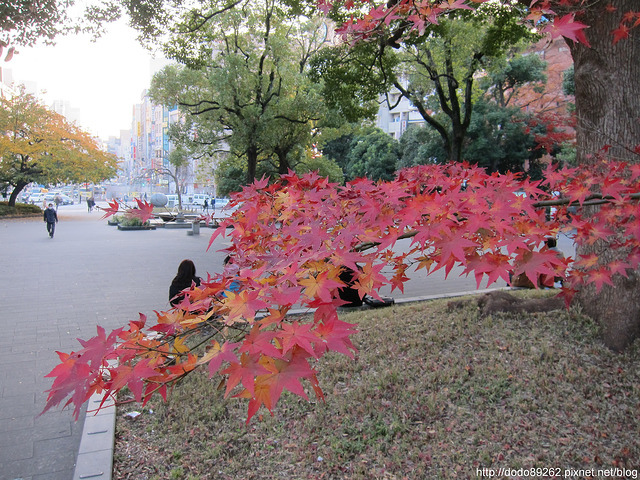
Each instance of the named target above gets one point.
<point>245,83</point>
<point>438,70</point>
<point>500,140</point>
<point>373,155</point>
<point>505,79</point>
<point>24,23</point>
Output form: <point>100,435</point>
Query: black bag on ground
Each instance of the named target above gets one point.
<point>377,303</point>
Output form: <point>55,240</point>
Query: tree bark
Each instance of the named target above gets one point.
<point>252,164</point>
<point>14,194</point>
<point>607,81</point>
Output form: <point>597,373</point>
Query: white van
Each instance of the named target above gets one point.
<point>172,201</point>
<point>199,198</point>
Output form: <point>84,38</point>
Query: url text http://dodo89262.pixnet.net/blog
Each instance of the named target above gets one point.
<point>556,472</point>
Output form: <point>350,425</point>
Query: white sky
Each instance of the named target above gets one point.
<point>102,79</point>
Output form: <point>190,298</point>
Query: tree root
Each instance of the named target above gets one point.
<point>500,301</point>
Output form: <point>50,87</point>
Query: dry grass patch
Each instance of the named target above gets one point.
<point>432,394</point>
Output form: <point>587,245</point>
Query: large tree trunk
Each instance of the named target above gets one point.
<point>252,164</point>
<point>14,194</point>
<point>607,81</point>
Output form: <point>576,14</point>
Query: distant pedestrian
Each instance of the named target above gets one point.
<point>58,200</point>
<point>205,207</point>
<point>51,217</point>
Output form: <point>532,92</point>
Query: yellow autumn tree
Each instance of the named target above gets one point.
<point>39,145</point>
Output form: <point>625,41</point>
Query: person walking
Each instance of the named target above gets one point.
<point>205,207</point>
<point>51,217</point>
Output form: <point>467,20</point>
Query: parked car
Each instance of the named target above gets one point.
<point>51,197</point>
<point>36,198</point>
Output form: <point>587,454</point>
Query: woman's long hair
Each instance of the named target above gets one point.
<point>186,272</point>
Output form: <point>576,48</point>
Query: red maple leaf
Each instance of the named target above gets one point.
<point>259,342</point>
<point>261,395</point>
<point>297,334</point>
<point>629,17</point>
<point>217,354</point>
<point>144,211</point>
<point>620,267</point>
<point>369,279</point>
<point>455,5</point>
<point>242,305</point>
<point>112,210</point>
<point>320,286</point>
<point>72,378</point>
<point>333,335</point>
<point>599,277</point>
<point>579,192</point>
<point>132,377</point>
<point>286,373</point>
<point>96,350</point>
<point>567,27</point>
<point>246,371</point>
<point>620,33</point>
<point>455,246</point>
<point>533,264</point>
<point>495,265</point>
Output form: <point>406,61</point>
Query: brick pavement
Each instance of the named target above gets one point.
<point>57,290</point>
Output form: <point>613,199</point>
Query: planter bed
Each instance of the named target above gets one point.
<point>136,227</point>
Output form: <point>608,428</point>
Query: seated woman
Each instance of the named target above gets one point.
<point>185,277</point>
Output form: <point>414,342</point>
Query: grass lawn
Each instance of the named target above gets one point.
<point>432,394</point>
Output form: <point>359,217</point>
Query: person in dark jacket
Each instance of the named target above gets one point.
<point>51,217</point>
<point>185,277</point>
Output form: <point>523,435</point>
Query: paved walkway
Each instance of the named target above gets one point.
<point>57,290</point>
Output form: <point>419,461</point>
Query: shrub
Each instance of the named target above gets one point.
<point>21,209</point>
<point>131,221</point>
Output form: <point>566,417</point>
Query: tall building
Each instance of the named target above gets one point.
<point>149,145</point>
<point>64,108</point>
<point>396,114</point>
<point>7,89</point>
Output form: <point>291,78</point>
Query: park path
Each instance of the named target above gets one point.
<point>57,290</point>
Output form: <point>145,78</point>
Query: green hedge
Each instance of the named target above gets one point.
<point>20,209</point>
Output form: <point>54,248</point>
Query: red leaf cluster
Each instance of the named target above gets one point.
<point>549,16</point>
<point>291,241</point>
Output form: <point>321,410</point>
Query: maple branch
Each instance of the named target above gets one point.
<point>595,199</point>
<point>201,20</point>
